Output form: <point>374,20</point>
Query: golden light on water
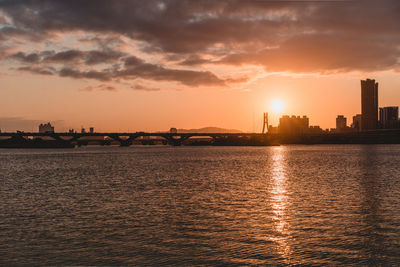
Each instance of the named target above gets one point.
<point>279,202</point>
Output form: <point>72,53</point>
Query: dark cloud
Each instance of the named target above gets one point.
<point>91,57</point>
<point>297,36</point>
<point>146,71</point>
<point>177,26</point>
<point>134,67</point>
<point>106,42</point>
<point>98,57</point>
<point>132,61</point>
<point>65,56</point>
<point>107,87</point>
<point>143,70</point>
<point>144,88</point>
<point>102,87</point>
<point>195,60</point>
<point>28,58</point>
<point>38,70</point>
<point>91,74</point>
<point>9,32</point>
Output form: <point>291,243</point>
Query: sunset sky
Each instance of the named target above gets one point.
<point>150,65</point>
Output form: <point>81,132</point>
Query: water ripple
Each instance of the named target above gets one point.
<point>288,205</point>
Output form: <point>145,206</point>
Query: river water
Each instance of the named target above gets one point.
<point>161,205</point>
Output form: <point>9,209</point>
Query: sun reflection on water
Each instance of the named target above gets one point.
<point>279,202</point>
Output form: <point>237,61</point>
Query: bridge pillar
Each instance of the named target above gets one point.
<point>18,137</point>
<point>127,142</point>
<point>57,137</point>
<point>123,142</point>
<point>74,138</point>
<point>176,141</point>
<point>219,139</point>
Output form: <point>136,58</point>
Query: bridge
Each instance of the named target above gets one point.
<point>126,139</point>
<point>176,139</point>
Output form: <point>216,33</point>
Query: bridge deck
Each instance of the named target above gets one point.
<point>126,134</point>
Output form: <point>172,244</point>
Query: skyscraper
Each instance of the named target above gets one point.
<point>341,122</point>
<point>389,117</point>
<point>356,122</point>
<point>369,105</point>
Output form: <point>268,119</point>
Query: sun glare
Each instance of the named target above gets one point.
<point>277,106</point>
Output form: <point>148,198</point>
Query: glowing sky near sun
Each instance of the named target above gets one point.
<point>151,65</point>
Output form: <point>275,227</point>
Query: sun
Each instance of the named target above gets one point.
<point>277,106</point>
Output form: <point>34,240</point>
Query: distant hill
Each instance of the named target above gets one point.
<point>209,130</point>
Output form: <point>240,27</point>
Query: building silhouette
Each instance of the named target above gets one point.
<point>46,128</point>
<point>315,130</point>
<point>293,124</point>
<point>369,105</point>
<point>389,117</point>
<point>356,122</point>
<point>341,123</point>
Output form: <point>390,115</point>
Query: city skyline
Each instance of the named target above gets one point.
<point>371,117</point>
<point>131,66</point>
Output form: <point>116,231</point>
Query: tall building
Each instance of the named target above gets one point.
<point>341,122</point>
<point>293,124</point>
<point>369,105</point>
<point>389,117</point>
<point>46,128</point>
<point>356,122</point>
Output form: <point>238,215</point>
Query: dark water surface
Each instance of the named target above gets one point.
<point>312,205</point>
